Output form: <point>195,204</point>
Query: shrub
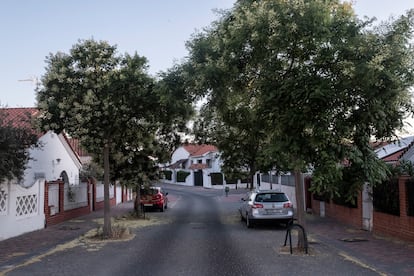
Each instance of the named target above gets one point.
<point>386,197</point>
<point>216,178</point>
<point>182,175</point>
<point>167,174</point>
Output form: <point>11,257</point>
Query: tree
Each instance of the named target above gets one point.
<point>324,82</point>
<point>96,95</point>
<point>16,138</point>
<point>237,131</point>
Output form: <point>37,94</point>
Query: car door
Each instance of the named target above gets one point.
<point>244,207</point>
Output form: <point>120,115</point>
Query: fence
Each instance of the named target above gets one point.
<point>20,208</point>
<point>76,196</point>
<point>396,222</point>
<point>65,202</point>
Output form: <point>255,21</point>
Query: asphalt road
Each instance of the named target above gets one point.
<point>200,234</point>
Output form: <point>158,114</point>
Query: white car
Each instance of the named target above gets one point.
<point>269,205</point>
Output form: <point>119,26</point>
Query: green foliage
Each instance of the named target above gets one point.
<point>309,83</point>
<point>386,198</point>
<point>216,178</point>
<point>409,187</point>
<point>404,167</point>
<point>182,175</point>
<point>167,174</point>
<point>119,112</point>
<point>91,170</point>
<point>14,145</point>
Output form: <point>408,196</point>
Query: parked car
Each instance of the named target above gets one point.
<point>154,197</point>
<point>266,205</point>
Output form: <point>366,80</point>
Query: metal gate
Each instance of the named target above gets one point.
<point>198,178</point>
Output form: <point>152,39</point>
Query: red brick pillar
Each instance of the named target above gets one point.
<point>46,201</point>
<point>61,196</point>
<point>403,196</point>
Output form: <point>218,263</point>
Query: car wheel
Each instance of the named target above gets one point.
<point>249,222</point>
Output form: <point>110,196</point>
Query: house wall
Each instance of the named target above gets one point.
<point>51,160</point>
<point>179,153</point>
<point>22,208</point>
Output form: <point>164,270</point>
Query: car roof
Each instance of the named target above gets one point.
<point>270,191</point>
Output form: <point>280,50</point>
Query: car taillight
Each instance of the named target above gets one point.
<point>288,205</point>
<point>257,206</point>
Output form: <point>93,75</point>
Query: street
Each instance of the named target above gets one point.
<point>201,234</point>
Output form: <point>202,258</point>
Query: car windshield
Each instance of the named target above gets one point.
<point>271,197</point>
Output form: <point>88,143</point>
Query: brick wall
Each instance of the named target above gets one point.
<point>351,216</point>
<point>401,226</point>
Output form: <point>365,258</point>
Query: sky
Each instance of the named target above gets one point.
<point>157,29</point>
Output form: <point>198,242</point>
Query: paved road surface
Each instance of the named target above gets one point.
<point>200,234</point>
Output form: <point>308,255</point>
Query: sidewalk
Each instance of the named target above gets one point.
<point>385,256</point>
<point>21,248</point>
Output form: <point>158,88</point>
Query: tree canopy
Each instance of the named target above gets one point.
<point>322,82</point>
<point>111,103</point>
<point>15,141</point>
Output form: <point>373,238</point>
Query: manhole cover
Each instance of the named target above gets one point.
<point>353,239</point>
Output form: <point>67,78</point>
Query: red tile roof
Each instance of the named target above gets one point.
<point>76,146</point>
<point>394,157</point>
<point>23,118</point>
<point>20,118</point>
<point>198,150</point>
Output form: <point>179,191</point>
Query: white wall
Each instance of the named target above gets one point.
<point>23,211</point>
<point>51,160</point>
<point>179,154</point>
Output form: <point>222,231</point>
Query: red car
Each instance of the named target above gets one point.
<point>154,197</point>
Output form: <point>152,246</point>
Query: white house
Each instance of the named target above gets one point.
<point>22,203</point>
<point>198,160</point>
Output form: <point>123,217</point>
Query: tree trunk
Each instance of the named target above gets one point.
<point>251,181</point>
<point>107,229</point>
<point>137,201</point>
<point>300,213</point>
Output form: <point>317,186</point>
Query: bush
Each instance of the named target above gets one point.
<point>386,197</point>
<point>182,175</point>
<point>167,174</point>
<point>410,196</point>
<point>216,178</point>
